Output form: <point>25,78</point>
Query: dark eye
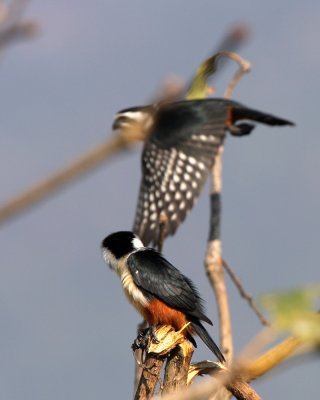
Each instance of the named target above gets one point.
<point>120,122</point>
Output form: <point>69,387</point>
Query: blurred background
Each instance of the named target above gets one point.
<point>66,328</point>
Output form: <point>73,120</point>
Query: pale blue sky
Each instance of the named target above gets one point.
<point>66,327</point>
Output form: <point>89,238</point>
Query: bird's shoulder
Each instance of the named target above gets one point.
<point>148,260</point>
<point>181,120</point>
<point>152,272</point>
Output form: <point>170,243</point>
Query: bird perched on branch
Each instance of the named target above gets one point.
<point>158,290</point>
<point>179,151</point>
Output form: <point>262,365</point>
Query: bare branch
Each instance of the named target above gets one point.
<point>11,26</point>
<point>172,345</point>
<point>177,367</point>
<point>213,261</point>
<point>65,175</point>
<point>194,392</point>
<point>150,376</point>
<point>235,37</point>
<point>23,30</point>
<point>214,269</point>
<point>245,67</point>
<point>11,13</point>
<point>214,254</point>
<point>224,378</point>
<point>163,226</point>
<point>236,380</point>
<point>241,390</point>
<point>243,293</point>
<point>252,369</point>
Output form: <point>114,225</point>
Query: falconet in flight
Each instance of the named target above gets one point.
<point>179,151</point>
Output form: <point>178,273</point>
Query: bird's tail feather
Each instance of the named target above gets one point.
<point>204,335</point>
<point>239,113</point>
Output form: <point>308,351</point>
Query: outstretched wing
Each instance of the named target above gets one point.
<point>156,276</point>
<point>176,161</point>
<point>178,155</point>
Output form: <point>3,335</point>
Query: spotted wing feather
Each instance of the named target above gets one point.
<point>178,155</point>
<point>174,173</point>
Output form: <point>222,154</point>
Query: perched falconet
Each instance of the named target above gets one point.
<point>182,142</point>
<point>157,289</point>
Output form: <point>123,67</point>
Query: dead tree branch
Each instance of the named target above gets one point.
<point>150,376</point>
<point>65,175</point>
<point>213,261</point>
<point>243,371</point>
<point>245,67</point>
<point>235,385</point>
<point>215,272</point>
<point>252,369</point>
<point>235,279</point>
<point>177,367</point>
<point>241,390</point>
<point>11,26</point>
<point>174,347</point>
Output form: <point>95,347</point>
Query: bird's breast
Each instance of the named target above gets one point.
<point>133,293</point>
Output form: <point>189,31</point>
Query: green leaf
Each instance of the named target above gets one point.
<point>199,89</point>
<point>295,312</point>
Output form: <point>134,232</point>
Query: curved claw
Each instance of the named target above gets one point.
<point>144,337</point>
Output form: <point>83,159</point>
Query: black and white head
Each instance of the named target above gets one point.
<point>118,246</point>
<point>130,117</point>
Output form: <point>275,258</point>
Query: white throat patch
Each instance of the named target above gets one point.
<point>137,244</point>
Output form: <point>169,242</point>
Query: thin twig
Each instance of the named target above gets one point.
<point>245,67</point>
<point>65,175</point>
<point>233,39</point>
<point>163,225</point>
<point>11,13</point>
<point>11,26</point>
<point>23,30</point>
<point>235,279</point>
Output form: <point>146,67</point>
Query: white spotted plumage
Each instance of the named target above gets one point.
<point>171,183</point>
<point>178,153</point>
<point>173,174</point>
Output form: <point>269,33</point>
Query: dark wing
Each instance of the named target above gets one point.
<point>180,152</point>
<point>156,276</point>
<point>176,161</point>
